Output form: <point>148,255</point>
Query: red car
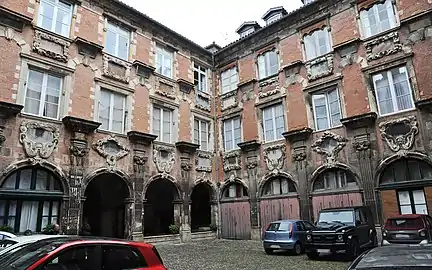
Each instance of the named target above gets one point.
<point>84,253</point>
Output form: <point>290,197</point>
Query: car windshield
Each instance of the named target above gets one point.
<point>26,256</point>
<point>404,224</point>
<point>336,216</point>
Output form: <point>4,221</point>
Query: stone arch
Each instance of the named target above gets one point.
<point>158,176</point>
<point>233,180</point>
<point>104,171</point>
<point>207,182</point>
<point>341,166</point>
<point>45,164</point>
<point>271,176</point>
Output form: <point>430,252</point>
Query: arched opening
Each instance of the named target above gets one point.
<point>159,209</point>
<point>234,190</point>
<point>31,198</point>
<point>104,207</point>
<point>278,186</point>
<point>201,207</point>
<point>334,180</point>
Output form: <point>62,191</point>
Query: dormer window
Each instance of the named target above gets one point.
<point>246,32</point>
<point>247,28</point>
<point>274,14</point>
<point>274,18</point>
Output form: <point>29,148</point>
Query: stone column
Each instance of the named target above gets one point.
<point>129,218</point>
<point>251,153</point>
<point>298,140</point>
<point>78,148</point>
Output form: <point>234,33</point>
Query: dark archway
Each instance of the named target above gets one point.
<point>159,208</point>
<point>104,207</point>
<point>201,207</point>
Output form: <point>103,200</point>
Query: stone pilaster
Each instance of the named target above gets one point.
<point>7,111</point>
<point>298,139</point>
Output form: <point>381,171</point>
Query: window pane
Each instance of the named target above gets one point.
<point>42,178</point>
<point>52,96</point>
<point>123,47</point>
<point>63,22</point>
<point>404,198</point>
<point>46,15</point>
<point>25,179</point>
<point>309,47</point>
<point>29,213</point>
<point>34,92</point>
<point>111,40</point>
<point>421,209</point>
<point>402,89</point>
<point>383,93</point>
<point>166,128</point>
<point>104,109</point>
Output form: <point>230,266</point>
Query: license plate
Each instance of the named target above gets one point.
<point>404,236</point>
<point>323,250</point>
<point>274,246</point>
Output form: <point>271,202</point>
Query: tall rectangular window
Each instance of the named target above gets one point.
<point>202,133</point>
<point>164,62</point>
<point>273,122</point>
<point>393,91</point>
<point>229,80</point>
<point>55,16</point>
<point>200,78</point>
<point>112,111</point>
<point>317,43</point>
<point>232,133</point>
<point>268,64</point>
<point>378,18</point>
<point>43,94</point>
<point>162,124</point>
<point>412,202</point>
<point>117,41</point>
<point>326,108</point>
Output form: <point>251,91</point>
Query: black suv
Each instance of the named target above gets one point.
<point>347,230</point>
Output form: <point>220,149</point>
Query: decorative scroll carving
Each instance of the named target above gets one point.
<point>329,145</point>
<point>202,101</point>
<point>139,160</point>
<point>252,162</point>
<point>320,67</point>
<point>165,88</point>
<point>269,81</point>
<point>399,134</point>
<point>231,161</point>
<point>203,162</point>
<point>39,139</point>
<point>164,158</point>
<point>269,93</point>
<point>116,68</point>
<point>229,100</point>
<point>185,164</point>
<point>51,46</point>
<point>299,156</point>
<point>361,145</point>
<point>111,149</point>
<point>383,46</point>
<point>274,157</point>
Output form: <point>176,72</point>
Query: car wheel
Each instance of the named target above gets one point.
<point>268,251</point>
<point>297,248</point>
<point>313,255</point>
<point>353,249</point>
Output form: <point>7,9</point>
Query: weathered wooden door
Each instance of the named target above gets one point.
<point>277,209</point>
<point>336,200</point>
<point>235,218</point>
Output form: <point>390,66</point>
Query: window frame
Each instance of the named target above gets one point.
<point>200,123</point>
<point>161,131</point>
<point>247,32</point>
<point>232,84</point>
<point>111,112</point>
<point>273,18</point>
<point>232,120</point>
<point>266,61</point>
<point>198,69</point>
<point>326,93</point>
<point>273,107</point>
<point>411,198</point>
<point>119,27</point>
<point>162,52</point>
<point>364,14</point>
<point>341,178</point>
<point>315,36</point>
<point>55,13</point>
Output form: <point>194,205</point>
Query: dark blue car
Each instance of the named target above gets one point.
<point>287,235</point>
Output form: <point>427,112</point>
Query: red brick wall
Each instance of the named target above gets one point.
<point>184,125</point>
<point>389,204</point>
<point>408,8</point>
<point>246,68</point>
<point>422,59</point>
<point>143,48</point>
<point>9,52</point>
<point>297,117</point>
<point>344,27</point>
<point>428,195</point>
<point>249,121</point>
<point>291,49</point>
<point>88,26</point>
<point>140,113</point>
<point>19,6</point>
<point>183,67</point>
<point>80,96</point>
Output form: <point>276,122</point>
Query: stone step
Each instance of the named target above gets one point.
<point>163,239</point>
<point>199,236</point>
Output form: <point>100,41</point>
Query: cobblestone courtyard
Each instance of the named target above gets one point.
<point>241,255</point>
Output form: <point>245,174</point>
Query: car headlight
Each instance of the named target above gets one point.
<point>308,237</point>
<point>422,233</point>
<point>340,237</point>
<point>384,233</point>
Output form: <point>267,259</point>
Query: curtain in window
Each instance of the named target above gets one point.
<point>52,97</point>
<point>228,128</point>
<point>402,89</point>
<point>34,92</point>
<point>166,126</point>
<point>29,213</point>
<point>384,96</point>
<point>118,113</point>
<point>104,109</point>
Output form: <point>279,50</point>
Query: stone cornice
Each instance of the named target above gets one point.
<point>76,124</point>
<point>145,138</point>
<point>358,121</point>
<point>249,145</point>
<point>187,147</point>
<point>298,134</point>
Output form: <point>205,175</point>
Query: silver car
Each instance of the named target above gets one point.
<point>15,243</point>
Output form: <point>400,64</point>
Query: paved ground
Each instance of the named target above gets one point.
<point>237,255</point>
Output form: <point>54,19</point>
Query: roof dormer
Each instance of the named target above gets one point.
<point>274,14</point>
<point>247,28</point>
<point>213,47</point>
<point>307,1</point>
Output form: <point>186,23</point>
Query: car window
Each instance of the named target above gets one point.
<point>284,226</point>
<point>300,226</point>
<point>80,258</point>
<point>121,257</point>
<point>6,243</point>
<point>359,216</point>
<point>307,225</point>
<point>404,223</point>
<point>273,227</point>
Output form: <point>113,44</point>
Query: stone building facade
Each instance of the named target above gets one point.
<point>110,119</point>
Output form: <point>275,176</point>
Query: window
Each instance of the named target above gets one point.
<point>164,62</point>
<point>55,16</point>
<point>43,94</point>
<point>268,64</point>
<point>200,78</point>
<point>308,226</point>
<point>406,170</point>
<point>412,202</point>
<point>229,80</point>
<point>235,190</point>
<point>273,122</point>
<point>162,124</point>
<point>334,179</point>
<point>317,43</point>
<point>379,18</point>
<point>232,133</point>
<point>40,206</point>
<point>326,107</point>
<point>78,257</point>
<point>112,111</point>
<point>122,257</point>
<point>117,41</point>
<point>273,18</point>
<point>393,91</point>
<point>247,32</point>
<point>202,133</point>
<point>279,186</point>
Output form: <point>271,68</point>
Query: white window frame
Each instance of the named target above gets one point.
<point>264,59</point>
<point>200,139</point>
<point>232,131</point>
<point>329,116</point>
<point>232,75</point>
<point>161,54</point>
<point>315,43</point>
<point>412,201</point>
<point>43,93</point>
<point>247,32</point>
<point>364,18</point>
<point>54,19</point>
<point>114,94</point>
<point>273,18</point>
<point>161,131</point>
<point>392,91</point>
<point>273,112</point>
<point>202,86</point>
<point>118,30</point>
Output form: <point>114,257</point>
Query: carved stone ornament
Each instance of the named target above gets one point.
<point>78,150</point>
<point>185,164</point>
<point>274,157</point>
<point>320,67</point>
<point>399,134</point>
<point>111,149</point>
<point>202,101</point>
<point>269,81</point>
<point>116,68</point>
<point>231,161</point>
<point>269,93</point>
<point>299,156</point>
<point>203,162</point>
<point>39,139</point>
<point>229,100</point>
<point>164,158</point>
<point>139,160</point>
<point>51,46</point>
<point>252,162</point>
<point>329,145</point>
<point>361,145</point>
<point>165,87</point>
<point>383,46</point>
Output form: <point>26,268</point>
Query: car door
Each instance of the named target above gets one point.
<point>362,227</point>
<point>78,257</point>
<point>300,231</point>
<point>116,257</point>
